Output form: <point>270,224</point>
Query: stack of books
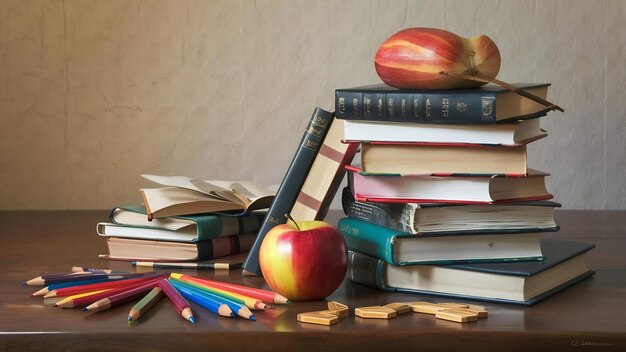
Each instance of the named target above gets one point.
<point>443,201</point>
<point>187,220</point>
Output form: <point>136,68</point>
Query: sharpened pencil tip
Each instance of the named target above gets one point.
<point>192,320</point>
<point>85,309</point>
<point>130,318</point>
<point>252,318</point>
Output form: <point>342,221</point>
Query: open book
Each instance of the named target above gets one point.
<point>183,195</point>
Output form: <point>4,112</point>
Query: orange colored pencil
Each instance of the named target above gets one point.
<point>263,295</point>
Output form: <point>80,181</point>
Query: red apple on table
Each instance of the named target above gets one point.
<point>416,57</point>
<point>305,260</point>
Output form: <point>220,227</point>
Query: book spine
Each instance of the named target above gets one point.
<point>397,216</point>
<point>220,226</point>
<point>292,182</point>
<point>405,106</point>
<point>368,238</point>
<point>366,270</point>
<point>223,246</point>
<point>325,176</point>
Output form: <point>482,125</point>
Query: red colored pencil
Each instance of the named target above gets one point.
<point>114,300</point>
<point>180,304</point>
<point>263,295</point>
<point>74,290</point>
<point>87,300</point>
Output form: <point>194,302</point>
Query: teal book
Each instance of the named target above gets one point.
<point>131,222</point>
<point>401,248</point>
<point>524,283</point>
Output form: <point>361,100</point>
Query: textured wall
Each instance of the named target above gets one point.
<point>93,93</point>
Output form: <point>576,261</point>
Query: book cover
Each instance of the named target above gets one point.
<point>401,248</point>
<point>449,218</point>
<point>488,104</point>
<point>325,176</point>
<point>130,221</point>
<point>524,283</point>
<point>292,183</point>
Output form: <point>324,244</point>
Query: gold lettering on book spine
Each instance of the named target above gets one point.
<point>416,107</point>
<point>445,107</point>
<point>367,106</point>
<point>379,106</point>
<point>487,107</point>
<point>273,220</point>
<point>342,105</point>
<point>403,106</point>
<point>461,106</point>
<point>389,107</point>
<point>428,108</point>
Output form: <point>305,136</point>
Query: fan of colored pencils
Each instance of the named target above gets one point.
<point>96,290</point>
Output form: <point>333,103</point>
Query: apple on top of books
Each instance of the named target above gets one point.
<point>416,58</point>
<point>305,260</point>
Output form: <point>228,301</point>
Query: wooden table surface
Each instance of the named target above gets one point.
<point>590,316</point>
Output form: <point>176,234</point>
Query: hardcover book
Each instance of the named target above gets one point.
<point>525,283</point>
<point>488,104</point>
<point>325,176</point>
<point>514,133</point>
<point>415,159</point>
<point>401,248</point>
<point>448,218</point>
<point>292,183</point>
<point>184,195</point>
<point>460,189</point>
<point>130,249</point>
<point>131,222</point>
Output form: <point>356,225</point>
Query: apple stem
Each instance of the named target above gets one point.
<point>292,220</point>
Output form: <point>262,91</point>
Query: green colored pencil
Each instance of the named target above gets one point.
<point>149,300</point>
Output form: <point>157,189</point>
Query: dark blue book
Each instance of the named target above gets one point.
<point>292,183</point>
<point>524,283</point>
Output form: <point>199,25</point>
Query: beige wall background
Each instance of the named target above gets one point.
<point>94,93</point>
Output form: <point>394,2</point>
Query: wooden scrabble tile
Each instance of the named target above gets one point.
<point>341,309</point>
<point>452,305</point>
<point>320,318</point>
<point>457,315</point>
<point>375,312</point>
<point>425,307</point>
<point>399,307</point>
<point>480,310</point>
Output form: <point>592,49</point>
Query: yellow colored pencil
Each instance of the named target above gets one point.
<point>63,302</point>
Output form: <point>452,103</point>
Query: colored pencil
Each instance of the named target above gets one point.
<point>60,277</point>
<point>237,307</point>
<point>61,300</point>
<point>117,299</point>
<point>263,295</point>
<point>250,302</point>
<point>147,302</point>
<point>44,291</point>
<point>72,290</point>
<point>210,304</point>
<point>179,265</point>
<point>178,301</point>
<point>85,301</point>
<point>84,276</point>
<point>94,270</point>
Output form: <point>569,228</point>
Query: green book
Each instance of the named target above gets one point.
<point>401,248</point>
<point>131,222</point>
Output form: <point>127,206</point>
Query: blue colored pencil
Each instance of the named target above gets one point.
<point>53,287</point>
<point>238,308</point>
<point>210,304</point>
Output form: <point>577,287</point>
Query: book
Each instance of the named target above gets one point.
<point>402,248</point>
<point>487,104</point>
<point>514,133</point>
<point>130,249</point>
<point>416,159</point>
<point>524,283</point>
<point>460,189</point>
<point>449,218</point>
<point>327,172</point>
<point>292,183</point>
<point>184,195</point>
<point>130,222</point>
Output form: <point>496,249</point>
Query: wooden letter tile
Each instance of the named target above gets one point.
<point>399,307</point>
<point>457,315</point>
<point>375,312</point>
<point>320,318</point>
